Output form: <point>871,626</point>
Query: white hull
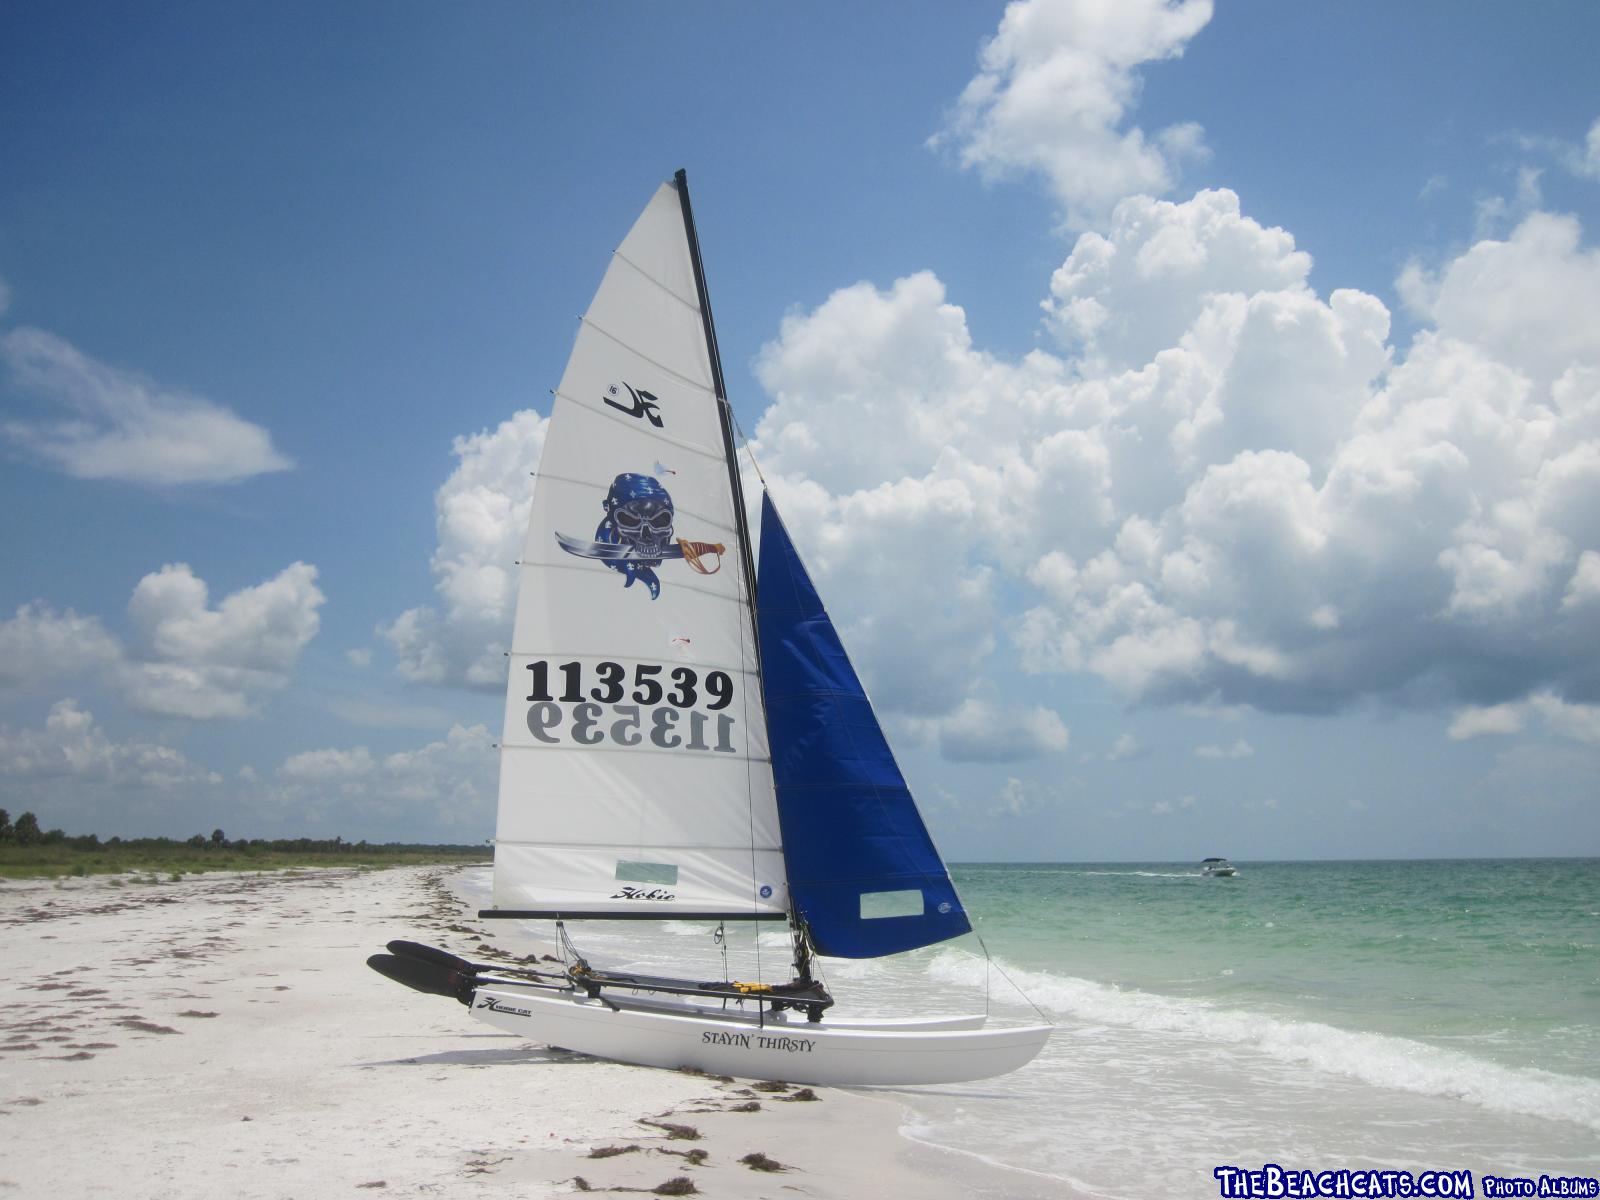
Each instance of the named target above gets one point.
<point>794,1051</point>
<point>751,1017</point>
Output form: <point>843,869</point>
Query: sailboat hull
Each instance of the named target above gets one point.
<point>755,1019</point>
<point>794,1051</point>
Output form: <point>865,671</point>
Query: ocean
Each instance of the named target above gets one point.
<point>1425,1015</point>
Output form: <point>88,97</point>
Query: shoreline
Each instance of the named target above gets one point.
<point>222,1034</point>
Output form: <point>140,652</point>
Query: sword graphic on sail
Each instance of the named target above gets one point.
<point>691,552</point>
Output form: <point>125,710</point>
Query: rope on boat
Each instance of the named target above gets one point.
<point>747,609</point>
<point>720,937</point>
<point>745,438</point>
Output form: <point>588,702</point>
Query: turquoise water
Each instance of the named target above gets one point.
<point>1412,1015</point>
<point>1501,957</point>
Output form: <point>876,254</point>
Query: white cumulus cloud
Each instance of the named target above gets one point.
<point>40,643</point>
<point>1056,84</point>
<point>185,658</point>
<point>1217,487</point>
<point>322,766</point>
<point>117,425</point>
<point>482,515</point>
<point>1126,746</point>
<point>188,659</point>
<point>1577,722</point>
<point>447,786</point>
<point>981,731</point>
<point>72,747</point>
<point>1239,493</point>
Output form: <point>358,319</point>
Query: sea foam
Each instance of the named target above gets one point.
<point>1378,1059</point>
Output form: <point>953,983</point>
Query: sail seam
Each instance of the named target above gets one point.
<point>739,848</point>
<point>661,366</point>
<point>693,913</point>
<point>588,567</point>
<point>722,526</point>
<point>691,305</point>
<point>623,420</point>
<point>732,758</point>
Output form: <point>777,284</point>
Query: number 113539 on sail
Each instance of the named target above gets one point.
<point>654,706</point>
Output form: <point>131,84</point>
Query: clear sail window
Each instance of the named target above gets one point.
<point>891,904</point>
<point>646,872</point>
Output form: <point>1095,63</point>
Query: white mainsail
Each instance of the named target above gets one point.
<point>636,778</point>
<point>634,771</point>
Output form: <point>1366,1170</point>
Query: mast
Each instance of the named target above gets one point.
<point>680,180</point>
<point>724,409</point>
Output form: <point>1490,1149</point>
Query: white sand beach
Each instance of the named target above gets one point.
<point>221,1035</point>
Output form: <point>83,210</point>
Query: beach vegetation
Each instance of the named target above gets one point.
<point>28,851</point>
<point>679,1185</point>
<point>758,1161</point>
<point>26,831</point>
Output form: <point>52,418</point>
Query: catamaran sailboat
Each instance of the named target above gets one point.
<point>685,737</point>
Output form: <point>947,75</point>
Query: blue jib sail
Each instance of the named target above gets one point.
<point>863,872</point>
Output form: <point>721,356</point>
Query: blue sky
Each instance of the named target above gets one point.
<point>1192,417</point>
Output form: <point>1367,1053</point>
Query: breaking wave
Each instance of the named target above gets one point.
<point>1377,1059</point>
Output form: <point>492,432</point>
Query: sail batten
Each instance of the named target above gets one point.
<point>686,380</point>
<point>687,301</point>
<point>513,745</point>
<point>596,491</point>
<point>686,447</point>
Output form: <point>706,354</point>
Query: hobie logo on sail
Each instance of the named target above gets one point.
<point>637,534</point>
<point>645,404</point>
<point>636,893</point>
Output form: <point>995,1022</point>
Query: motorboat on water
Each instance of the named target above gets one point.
<point>1220,867</point>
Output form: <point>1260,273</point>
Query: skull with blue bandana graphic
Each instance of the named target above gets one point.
<point>639,515</point>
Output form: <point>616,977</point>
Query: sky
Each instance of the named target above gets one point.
<point>1190,414</point>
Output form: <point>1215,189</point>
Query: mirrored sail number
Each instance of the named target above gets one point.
<point>656,706</point>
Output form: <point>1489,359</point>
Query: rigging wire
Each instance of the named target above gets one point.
<point>744,440</point>
<point>747,610</point>
<point>989,959</point>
